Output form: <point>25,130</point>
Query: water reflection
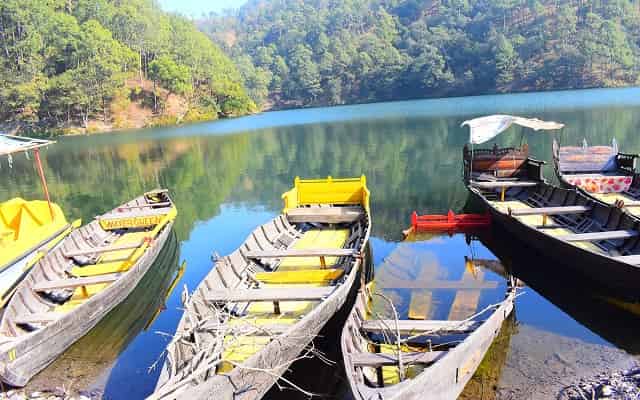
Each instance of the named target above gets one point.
<point>227,177</point>
<point>600,311</point>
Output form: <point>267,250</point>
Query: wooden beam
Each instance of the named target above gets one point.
<point>301,253</point>
<point>330,215</point>
<point>37,318</point>
<point>595,236</point>
<point>270,294</point>
<point>104,249</point>
<point>550,210</point>
<point>76,282</point>
<point>407,326</point>
<point>163,204</point>
<point>383,359</point>
<point>503,184</point>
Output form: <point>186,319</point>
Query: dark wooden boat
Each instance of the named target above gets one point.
<point>261,305</point>
<point>79,281</point>
<point>410,359</point>
<point>600,172</point>
<point>597,241</point>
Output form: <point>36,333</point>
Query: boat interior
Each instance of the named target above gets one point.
<point>602,171</point>
<point>570,216</point>
<point>387,346</point>
<point>283,270</point>
<point>86,262</point>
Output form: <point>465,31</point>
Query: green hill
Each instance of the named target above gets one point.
<point>82,65</point>
<point>317,52</point>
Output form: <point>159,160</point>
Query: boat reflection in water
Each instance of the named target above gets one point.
<point>597,308</point>
<point>87,364</point>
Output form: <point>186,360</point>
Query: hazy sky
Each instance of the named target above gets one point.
<point>197,7</point>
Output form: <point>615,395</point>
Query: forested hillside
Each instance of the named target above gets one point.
<point>67,64</point>
<point>313,52</point>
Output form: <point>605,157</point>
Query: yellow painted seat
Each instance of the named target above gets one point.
<point>316,239</point>
<point>308,276</point>
<point>116,261</point>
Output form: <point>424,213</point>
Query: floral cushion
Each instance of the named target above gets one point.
<point>601,184</point>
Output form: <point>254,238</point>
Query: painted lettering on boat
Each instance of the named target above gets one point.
<point>131,222</point>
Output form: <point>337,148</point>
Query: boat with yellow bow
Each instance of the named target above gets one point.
<point>261,305</point>
<point>73,286</point>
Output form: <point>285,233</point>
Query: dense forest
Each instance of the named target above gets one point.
<point>316,52</point>
<point>71,63</point>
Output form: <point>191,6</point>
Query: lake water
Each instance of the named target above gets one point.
<point>226,177</point>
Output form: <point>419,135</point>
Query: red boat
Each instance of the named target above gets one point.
<point>449,222</point>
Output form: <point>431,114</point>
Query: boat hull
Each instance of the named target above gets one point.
<point>592,266</point>
<point>32,355</point>
<point>443,380</point>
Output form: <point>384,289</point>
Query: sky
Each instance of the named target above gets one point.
<point>196,8</point>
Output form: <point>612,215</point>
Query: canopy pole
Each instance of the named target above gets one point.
<point>44,182</point>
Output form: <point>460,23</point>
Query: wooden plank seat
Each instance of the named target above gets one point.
<point>596,236</point>
<point>384,359</point>
<point>322,253</point>
<point>407,326</point>
<point>249,329</point>
<point>300,276</point>
<point>37,318</point>
<point>550,210</point>
<point>301,253</point>
<point>75,282</point>
<point>329,215</point>
<point>102,249</point>
<point>503,184</point>
<point>270,294</point>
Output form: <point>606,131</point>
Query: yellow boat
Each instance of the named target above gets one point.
<point>73,286</point>
<point>28,229</point>
<point>261,305</point>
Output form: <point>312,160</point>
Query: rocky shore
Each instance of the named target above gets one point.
<point>622,385</point>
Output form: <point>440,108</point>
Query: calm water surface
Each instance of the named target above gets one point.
<point>227,177</point>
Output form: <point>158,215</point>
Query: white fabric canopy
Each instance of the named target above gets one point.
<point>14,144</point>
<point>484,129</point>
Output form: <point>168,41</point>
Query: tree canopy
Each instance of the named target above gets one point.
<point>317,52</point>
<point>63,62</point>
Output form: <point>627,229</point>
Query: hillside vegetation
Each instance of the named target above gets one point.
<point>69,65</point>
<point>316,52</point>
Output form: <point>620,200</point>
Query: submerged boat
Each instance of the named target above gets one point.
<point>387,357</point>
<point>77,283</point>
<point>601,172</point>
<point>28,229</point>
<point>597,241</point>
<point>262,305</point>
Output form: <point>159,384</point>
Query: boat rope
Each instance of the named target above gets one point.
<point>398,338</point>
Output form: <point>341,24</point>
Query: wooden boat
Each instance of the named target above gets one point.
<point>601,172</point>
<point>261,305</point>
<point>79,281</point>
<point>598,241</point>
<point>409,359</point>
<point>28,229</point>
